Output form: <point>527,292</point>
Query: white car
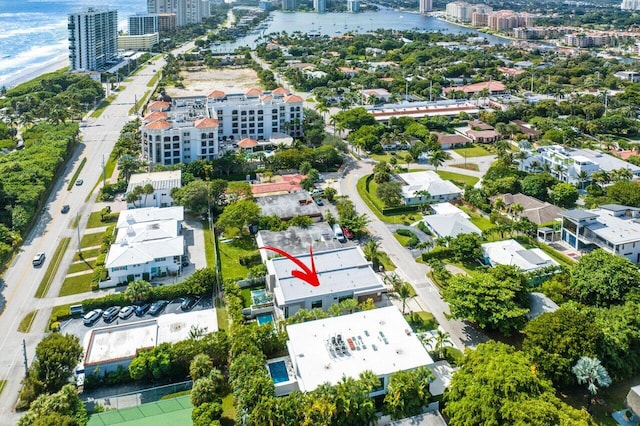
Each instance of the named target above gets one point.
<point>92,316</point>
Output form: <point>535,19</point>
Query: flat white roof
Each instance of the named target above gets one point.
<point>140,232</point>
<point>451,224</point>
<point>126,254</point>
<point>447,208</point>
<point>118,342</point>
<point>149,214</point>
<point>510,252</point>
<point>160,180</point>
<point>382,342</point>
<point>338,271</point>
<point>613,229</point>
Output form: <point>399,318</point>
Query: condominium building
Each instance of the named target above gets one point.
<point>93,39</point>
<point>138,42</point>
<point>426,6</point>
<point>353,6</point>
<point>630,5</point>
<point>575,166</point>
<point>288,4</point>
<point>501,20</point>
<point>186,11</point>
<point>320,6</point>
<point>586,40</point>
<point>166,22</point>
<point>462,12</point>
<point>203,127</point>
<point>141,24</point>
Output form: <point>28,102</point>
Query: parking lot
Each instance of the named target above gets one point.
<point>77,327</point>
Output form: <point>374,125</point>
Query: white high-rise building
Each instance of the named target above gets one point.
<point>93,39</point>
<point>630,5</point>
<point>462,12</point>
<point>353,6</point>
<point>187,11</point>
<point>426,6</point>
<point>320,6</point>
<point>142,24</point>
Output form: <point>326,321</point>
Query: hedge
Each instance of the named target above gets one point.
<point>250,259</point>
<point>387,211</point>
<point>405,232</point>
<point>437,253</point>
<point>423,227</point>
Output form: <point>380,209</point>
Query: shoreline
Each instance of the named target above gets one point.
<point>36,71</point>
<point>471,27</point>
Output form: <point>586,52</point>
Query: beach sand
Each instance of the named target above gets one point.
<point>35,71</point>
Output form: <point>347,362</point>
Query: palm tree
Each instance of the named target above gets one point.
<point>438,158</point>
<point>404,292</point>
<point>138,291</point>
<point>583,176</point>
<point>371,251</point>
<point>439,341</point>
<point>516,209</point>
<point>591,372</point>
<point>146,191</point>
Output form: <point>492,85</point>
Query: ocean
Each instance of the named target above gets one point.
<point>33,33</point>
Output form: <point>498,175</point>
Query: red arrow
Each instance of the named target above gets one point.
<point>310,276</point>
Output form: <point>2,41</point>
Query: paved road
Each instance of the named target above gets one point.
<point>462,334</point>
<point>21,279</point>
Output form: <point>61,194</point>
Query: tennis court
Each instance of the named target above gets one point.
<point>175,411</point>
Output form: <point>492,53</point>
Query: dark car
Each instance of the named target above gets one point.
<point>65,208</point>
<point>92,316</point>
<point>188,303</point>
<point>319,201</point>
<point>126,312</point>
<point>142,309</point>
<point>111,313</point>
<point>158,307</point>
<point>347,233</point>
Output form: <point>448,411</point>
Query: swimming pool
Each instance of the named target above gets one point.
<point>260,297</point>
<point>264,319</point>
<point>278,371</point>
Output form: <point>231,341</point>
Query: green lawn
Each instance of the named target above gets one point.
<point>386,262</point>
<point>2,385</point>
<point>95,222</point>
<point>369,197</point>
<point>82,266</point>
<point>472,151</point>
<point>458,178</point>
<point>401,239</point>
<point>421,321</point>
<point>76,285</point>
<point>481,222</point>
<point>25,324</point>
<point>209,252</point>
<point>230,254</point>
<point>52,267</point>
<point>92,240</point>
<point>86,254</point>
<point>399,155</point>
<point>228,411</point>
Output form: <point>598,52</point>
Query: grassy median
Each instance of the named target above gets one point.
<point>54,263</point>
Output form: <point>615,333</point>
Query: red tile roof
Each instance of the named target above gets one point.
<point>293,98</point>
<point>204,123</point>
<point>156,115</point>
<point>492,86</point>
<point>265,188</point>
<point>159,125</point>
<point>158,106</point>
<point>216,94</point>
<point>280,91</point>
<point>248,143</point>
<point>253,92</point>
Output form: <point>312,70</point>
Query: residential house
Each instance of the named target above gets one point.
<point>287,206</point>
<point>162,183</point>
<point>448,141</point>
<point>426,187</point>
<point>536,211</point>
<point>611,227</point>
<point>449,221</point>
<point>510,252</point>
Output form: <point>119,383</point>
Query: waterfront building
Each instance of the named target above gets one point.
<point>138,42</point>
<point>353,6</point>
<point>462,12</point>
<point>320,6</point>
<point>288,4</point>
<point>93,39</point>
<point>426,6</point>
<point>630,5</point>
<point>612,227</point>
<point>202,127</point>
<point>186,11</point>
<point>586,40</point>
<point>141,24</point>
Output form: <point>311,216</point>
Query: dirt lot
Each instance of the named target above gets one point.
<point>203,81</point>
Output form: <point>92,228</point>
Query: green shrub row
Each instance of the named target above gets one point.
<point>387,211</point>
<point>405,232</point>
<point>437,253</point>
<point>250,259</point>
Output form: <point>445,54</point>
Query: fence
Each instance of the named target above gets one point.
<point>135,397</point>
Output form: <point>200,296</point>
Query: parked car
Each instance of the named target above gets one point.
<point>347,233</point>
<point>38,259</point>
<point>92,316</point>
<point>338,233</point>
<point>316,191</point>
<point>158,307</point>
<point>319,202</point>
<point>65,208</point>
<point>126,312</point>
<point>111,313</point>
<point>188,303</point>
<point>142,309</point>
<point>79,182</point>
